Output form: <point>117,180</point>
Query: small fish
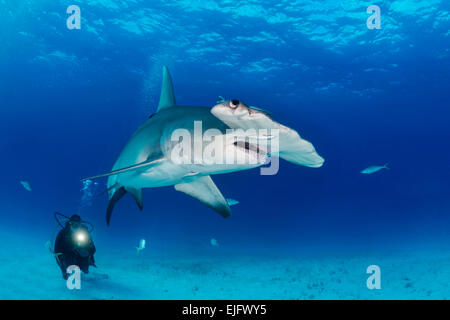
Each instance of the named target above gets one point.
<point>141,246</point>
<point>232,202</point>
<point>214,242</point>
<point>373,169</point>
<point>26,185</point>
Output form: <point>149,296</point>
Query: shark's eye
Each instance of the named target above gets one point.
<point>234,103</point>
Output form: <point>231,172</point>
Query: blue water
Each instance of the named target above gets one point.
<point>70,100</point>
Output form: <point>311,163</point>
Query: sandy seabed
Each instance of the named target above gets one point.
<point>28,271</point>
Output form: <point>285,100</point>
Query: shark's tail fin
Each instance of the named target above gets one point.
<point>119,192</point>
<point>386,166</point>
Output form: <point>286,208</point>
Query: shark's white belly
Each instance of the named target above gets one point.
<point>164,174</point>
<point>168,173</point>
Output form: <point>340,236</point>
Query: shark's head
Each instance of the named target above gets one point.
<point>241,142</point>
<point>283,140</point>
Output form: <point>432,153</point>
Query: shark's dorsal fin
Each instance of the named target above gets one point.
<point>167,98</point>
<point>204,190</point>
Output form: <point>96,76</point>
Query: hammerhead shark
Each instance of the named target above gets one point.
<point>154,158</point>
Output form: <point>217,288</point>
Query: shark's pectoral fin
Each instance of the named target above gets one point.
<point>204,190</point>
<point>137,195</point>
<point>118,194</point>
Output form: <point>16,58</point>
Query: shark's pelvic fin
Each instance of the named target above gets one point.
<point>167,98</point>
<point>106,190</point>
<point>126,169</point>
<point>118,194</point>
<point>137,195</point>
<point>204,190</point>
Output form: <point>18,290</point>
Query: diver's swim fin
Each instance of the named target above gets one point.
<point>112,202</point>
<point>106,190</point>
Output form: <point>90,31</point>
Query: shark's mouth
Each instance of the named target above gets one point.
<point>251,148</point>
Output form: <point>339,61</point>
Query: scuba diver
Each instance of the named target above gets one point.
<point>74,244</point>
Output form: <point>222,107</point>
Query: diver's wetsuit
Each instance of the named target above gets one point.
<point>70,252</point>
